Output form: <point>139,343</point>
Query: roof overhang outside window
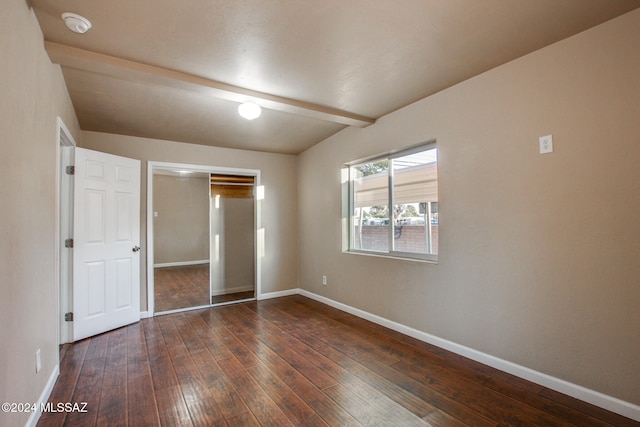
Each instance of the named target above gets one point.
<point>417,184</point>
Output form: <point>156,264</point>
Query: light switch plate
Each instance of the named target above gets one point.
<point>546,144</point>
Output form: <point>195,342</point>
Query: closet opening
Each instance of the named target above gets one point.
<point>202,235</point>
<point>232,238</point>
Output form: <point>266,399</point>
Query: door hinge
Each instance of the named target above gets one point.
<point>68,317</point>
<point>68,243</point>
<point>71,170</point>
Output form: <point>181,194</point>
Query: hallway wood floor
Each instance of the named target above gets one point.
<point>292,361</point>
<point>181,287</point>
<point>187,286</point>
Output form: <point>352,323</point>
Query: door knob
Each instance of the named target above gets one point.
<point>136,248</point>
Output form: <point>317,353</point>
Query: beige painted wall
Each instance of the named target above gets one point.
<point>538,259</point>
<point>181,229</point>
<point>33,94</point>
<point>279,207</point>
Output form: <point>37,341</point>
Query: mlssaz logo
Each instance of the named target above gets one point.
<point>65,407</point>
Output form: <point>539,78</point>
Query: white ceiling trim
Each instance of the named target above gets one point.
<point>80,59</point>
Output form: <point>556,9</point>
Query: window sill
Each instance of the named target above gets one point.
<point>388,256</point>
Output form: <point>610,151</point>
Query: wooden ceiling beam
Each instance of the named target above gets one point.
<point>85,60</point>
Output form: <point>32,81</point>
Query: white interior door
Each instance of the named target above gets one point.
<point>106,257</point>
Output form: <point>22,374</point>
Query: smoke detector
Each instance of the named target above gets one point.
<point>76,23</point>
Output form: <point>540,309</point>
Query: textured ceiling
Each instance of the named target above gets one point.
<point>176,70</point>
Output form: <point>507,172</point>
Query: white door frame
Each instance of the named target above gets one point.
<point>259,231</point>
<point>64,230</point>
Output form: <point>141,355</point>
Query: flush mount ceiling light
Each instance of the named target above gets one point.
<point>76,23</point>
<point>249,110</point>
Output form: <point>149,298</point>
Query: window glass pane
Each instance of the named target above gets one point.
<point>393,204</point>
<point>415,203</point>
<point>370,216</point>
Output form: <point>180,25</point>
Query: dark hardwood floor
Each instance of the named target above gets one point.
<point>181,287</point>
<point>237,296</point>
<point>292,361</point>
<point>187,286</point>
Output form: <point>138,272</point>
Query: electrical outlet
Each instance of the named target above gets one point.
<point>38,361</point>
<point>324,280</point>
<point>546,144</point>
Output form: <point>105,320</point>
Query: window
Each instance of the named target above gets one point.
<point>393,204</point>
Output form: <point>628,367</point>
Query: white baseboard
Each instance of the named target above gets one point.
<point>601,400</point>
<point>144,314</point>
<point>180,263</point>
<point>44,397</point>
<point>279,294</point>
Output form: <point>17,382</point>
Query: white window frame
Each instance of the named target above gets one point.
<point>349,207</point>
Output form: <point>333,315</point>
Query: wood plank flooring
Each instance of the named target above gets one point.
<point>237,296</point>
<point>292,361</point>
<point>187,286</point>
<point>181,287</point>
